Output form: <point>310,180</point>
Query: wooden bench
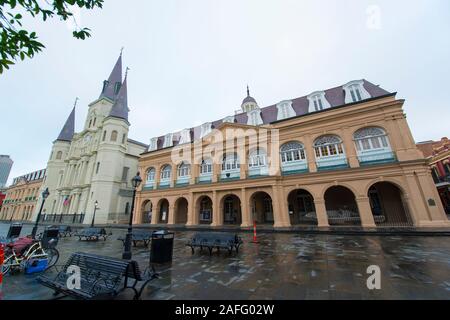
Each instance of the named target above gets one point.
<point>211,240</point>
<point>92,234</point>
<point>139,236</point>
<point>100,277</point>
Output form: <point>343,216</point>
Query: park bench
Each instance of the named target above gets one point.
<point>139,236</point>
<point>211,240</point>
<point>92,234</point>
<point>101,277</point>
<point>64,230</point>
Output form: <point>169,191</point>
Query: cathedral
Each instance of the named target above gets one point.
<point>93,168</point>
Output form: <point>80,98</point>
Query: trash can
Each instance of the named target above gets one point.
<point>161,249</point>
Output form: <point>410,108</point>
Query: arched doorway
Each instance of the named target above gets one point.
<point>341,206</point>
<point>146,209</point>
<point>388,205</point>
<point>261,208</point>
<point>301,208</point>
<point>181,211</point>
<point>232,210</point>
<point>205,210</point>
<point>163,212</point>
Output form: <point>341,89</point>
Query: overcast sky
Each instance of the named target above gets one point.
<point>190,61</point>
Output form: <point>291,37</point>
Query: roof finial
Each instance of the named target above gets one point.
<point>76,100</point>
<point>248,92</point>
<point>121,51</point>
<point>126,72</point>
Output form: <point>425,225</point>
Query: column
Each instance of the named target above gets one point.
<point>349,147</point>
<point>191,210</point>
<point>310,154</point>
<point>245,210</point>
<point>155,211</point>
<point>216,221</point>
<point>321,212</point>
<point>194,173</point>
<point>157,175</point>
<point>281,214</point>
<point>171,218</point>
<point>365,212</point>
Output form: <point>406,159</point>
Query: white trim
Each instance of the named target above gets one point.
<point>168,140</point>
<point>185,136</point>
<point>285,110</point>
<point>320,99</point>
<point>356,84</point>
<point>254,118</point>
<point>205,129</point>
<point>228,119</point>
<point>153,144</point>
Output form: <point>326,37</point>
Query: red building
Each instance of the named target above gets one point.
<point>2,197</point>
<point>438,155</point>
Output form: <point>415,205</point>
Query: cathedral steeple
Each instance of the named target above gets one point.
<point>68,130</point>
<point>111,87</point>
<point>120,107</point>
<point>249,103</point>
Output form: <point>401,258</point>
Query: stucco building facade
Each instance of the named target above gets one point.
<point>95,164</point>
<point>343,156</point>
<point>22,197</point>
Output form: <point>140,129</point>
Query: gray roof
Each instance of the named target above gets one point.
<point>335,96</point>
<point>115,77</point>
<point>248,99</point>
<point>120,107</point>
<point>68,130</point>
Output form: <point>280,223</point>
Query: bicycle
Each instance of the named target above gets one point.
<point>19,260</point>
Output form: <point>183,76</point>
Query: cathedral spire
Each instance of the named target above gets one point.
<point>120,107</point>
<point>111,86</point>
<point>68,130</point>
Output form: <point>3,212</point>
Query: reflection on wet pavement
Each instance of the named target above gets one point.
<point>281,266</point>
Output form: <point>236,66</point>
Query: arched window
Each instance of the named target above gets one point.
<point>206,166</point>
<point>114,135</point>
<point>371,139</point>
<point>292,151</point>
<point>257,158</point>
<point>230,162</point>
<point>165,172</point>
<point>59,155</point>
<point>184,169</point>
<point>151,175</point>
<point>328,146</point>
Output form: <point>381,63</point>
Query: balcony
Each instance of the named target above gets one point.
<point>204,178</point>
<point>233,174</point>
<point>164,183</point>
<point>369,157</point>
<point>261,171</point>
<point>182,181</point>
<point>332,162</point>
<point>294,167</point>
<point>149,185</point>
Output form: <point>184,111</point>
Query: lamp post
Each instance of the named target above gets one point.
<point>93,216</point>
<point>136,181</point>
<point>45,194</point>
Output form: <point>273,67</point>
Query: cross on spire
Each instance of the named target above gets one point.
<point>248,92</point>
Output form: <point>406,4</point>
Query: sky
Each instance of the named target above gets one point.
<point>190,62</point>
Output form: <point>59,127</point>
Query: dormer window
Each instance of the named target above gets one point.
<point>185,136</point>
<point>254,118</point>
<point>153,144</point>
<point>355,91</point>
<point>105,84</point>
<point>317,101</point>
<point>168,140</point>
<point>285,110</point>
<point>205,129</point>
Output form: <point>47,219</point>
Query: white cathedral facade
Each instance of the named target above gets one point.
<point>96,164</point>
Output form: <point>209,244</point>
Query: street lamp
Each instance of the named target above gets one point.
<point>45,195</point>
<point>93,216</point>
<point>136,181</point>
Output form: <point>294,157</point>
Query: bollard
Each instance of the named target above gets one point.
<point>255,239</point>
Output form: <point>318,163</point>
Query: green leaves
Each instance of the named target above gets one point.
<point>20,44</point>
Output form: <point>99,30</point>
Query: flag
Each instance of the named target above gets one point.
<point>66,201</point>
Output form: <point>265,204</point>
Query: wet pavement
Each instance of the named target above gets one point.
<point>280,266</point>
